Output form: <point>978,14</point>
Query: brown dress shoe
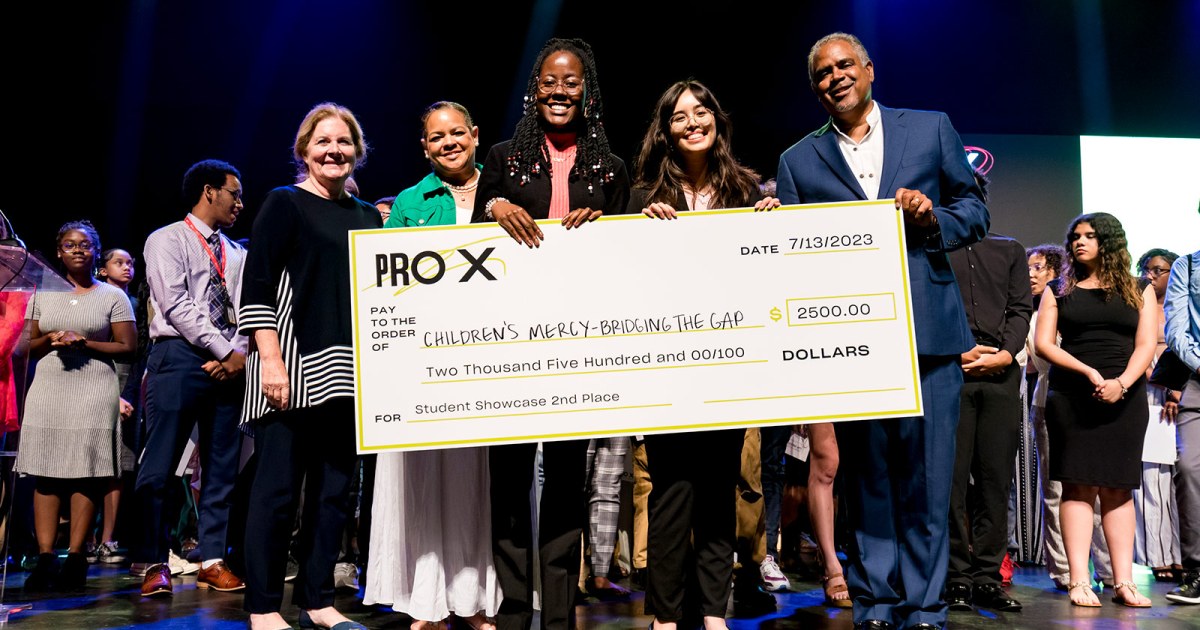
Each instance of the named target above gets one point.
<point>157,581</point>
<point>218,577</point>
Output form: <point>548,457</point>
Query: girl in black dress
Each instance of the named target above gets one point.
<point>1096,412</point>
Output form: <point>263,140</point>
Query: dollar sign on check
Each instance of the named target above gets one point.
<point>776,315</point>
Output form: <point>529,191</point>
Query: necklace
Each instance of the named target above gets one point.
<point>700,200</point>
<point>462,192</point>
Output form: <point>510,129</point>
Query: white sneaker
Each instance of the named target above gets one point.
<point>345,576</point>
<point>179,566</point>
<point>773,579</point>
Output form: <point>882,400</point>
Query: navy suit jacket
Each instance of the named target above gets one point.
<point>921,152</point>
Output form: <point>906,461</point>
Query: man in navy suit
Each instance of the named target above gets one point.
<point>898,471</point>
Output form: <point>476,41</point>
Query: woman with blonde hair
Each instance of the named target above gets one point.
<point>299,374</point>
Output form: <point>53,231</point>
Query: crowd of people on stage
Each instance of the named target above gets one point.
<point>1043,440</point>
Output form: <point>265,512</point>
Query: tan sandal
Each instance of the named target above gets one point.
<point>1129,587</point>
<point>1084,585</point>
<point>837,588</point>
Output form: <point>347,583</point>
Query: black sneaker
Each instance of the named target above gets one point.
<point>1188,591</point>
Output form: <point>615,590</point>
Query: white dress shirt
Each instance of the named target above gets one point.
<point>865,158</point>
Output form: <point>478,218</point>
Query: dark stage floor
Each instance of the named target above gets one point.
<point>112,601</point>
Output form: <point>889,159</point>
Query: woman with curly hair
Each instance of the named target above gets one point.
<point>686,164</point>
<point>1096,413</point>
<point>556,166</point>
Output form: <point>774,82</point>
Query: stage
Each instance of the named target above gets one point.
<point>112,600</point>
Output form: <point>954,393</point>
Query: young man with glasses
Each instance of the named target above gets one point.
<point>194,371</point>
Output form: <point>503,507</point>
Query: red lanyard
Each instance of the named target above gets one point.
<point>220,265</point>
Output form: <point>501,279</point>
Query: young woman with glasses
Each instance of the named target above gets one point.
<point>71,431</point>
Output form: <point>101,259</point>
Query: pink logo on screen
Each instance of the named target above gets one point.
<point>980,159</point>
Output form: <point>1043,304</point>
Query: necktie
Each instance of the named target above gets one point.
<point>218,296</point>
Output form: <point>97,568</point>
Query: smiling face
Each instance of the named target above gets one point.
<point>330,154</point>
<point>841,80</point>
<point>693,126</point>
<point>449,143</point>
<point>118,269</point>
<point>560,90</point>
<point>77,252</point>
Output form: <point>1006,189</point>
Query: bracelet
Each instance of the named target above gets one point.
<point>487,207</point>
<point>1124,390</point>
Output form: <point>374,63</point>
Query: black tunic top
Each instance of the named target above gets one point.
<point>297,282</point>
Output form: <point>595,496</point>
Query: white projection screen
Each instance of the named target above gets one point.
<point>1151,184</point>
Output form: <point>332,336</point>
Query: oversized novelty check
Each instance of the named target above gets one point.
<point>631,325</point>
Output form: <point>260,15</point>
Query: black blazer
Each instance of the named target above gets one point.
<point>534,196</point>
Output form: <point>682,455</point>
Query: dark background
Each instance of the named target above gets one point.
<point>108,103</point>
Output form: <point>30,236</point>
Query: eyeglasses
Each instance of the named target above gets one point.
<point>549,85</point>
<point>700,115</point>
<point>236,194</point>
<point>1155,272</point>
<point>83,246</point>
<point>1038,267</point>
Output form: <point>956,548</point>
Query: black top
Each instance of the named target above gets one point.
<point>1099,332</point>
<point>497,180</point>
<point>993,278</point>
<point>297,281</point>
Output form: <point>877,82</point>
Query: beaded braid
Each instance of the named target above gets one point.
<point>528,156</point>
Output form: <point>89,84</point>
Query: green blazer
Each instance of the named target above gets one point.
<point>426,203</point>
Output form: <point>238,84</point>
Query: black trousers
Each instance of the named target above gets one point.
<point>693,521</point>
<point>989,427</point>
<point>311,447</point>
<point>560,526</point>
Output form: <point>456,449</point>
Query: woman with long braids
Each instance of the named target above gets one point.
<point>1096,409</point>
<point>686,163</point>
<point>557,166</point>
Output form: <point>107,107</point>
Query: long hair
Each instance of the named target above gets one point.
<point>659,166</point>
<point>1113,260</point>
<point>528,156</point>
